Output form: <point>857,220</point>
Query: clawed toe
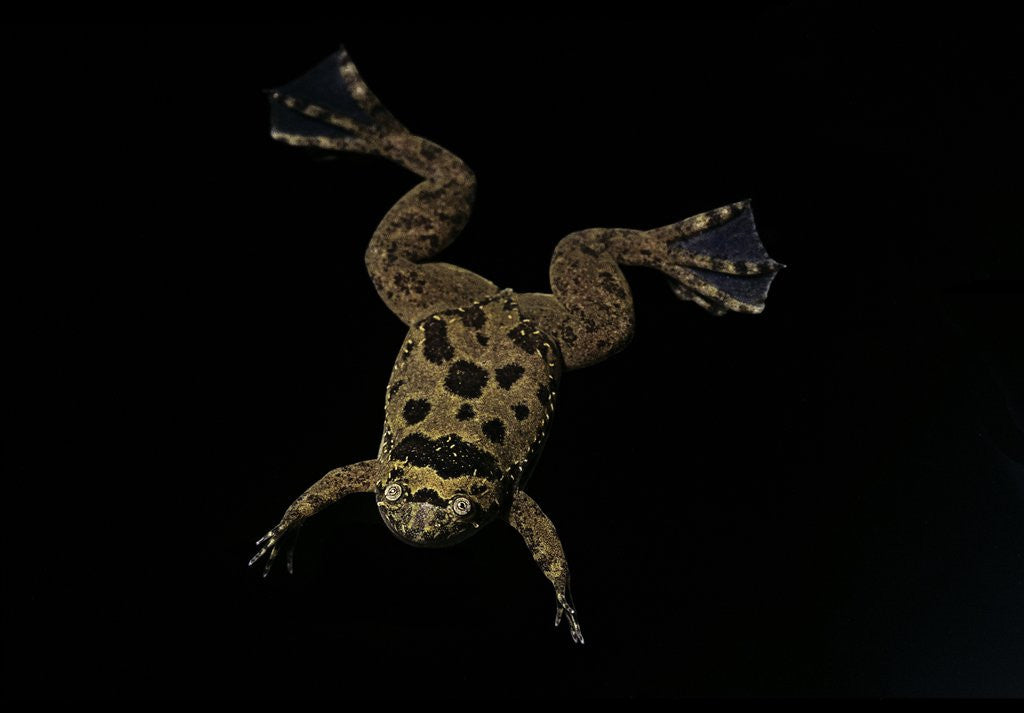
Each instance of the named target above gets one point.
<point>270,560</point>
<point>570,615</point>
<point>290,560</point>
<point>269,542</point>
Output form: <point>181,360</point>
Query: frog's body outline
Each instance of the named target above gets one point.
<point>466,414</point>
<point>473,389</point>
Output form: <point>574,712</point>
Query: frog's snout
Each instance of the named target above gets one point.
<point>423,524</point>
<point>424,517</point>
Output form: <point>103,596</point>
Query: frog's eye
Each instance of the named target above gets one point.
<point>462,506</point>
<point>393,492</point>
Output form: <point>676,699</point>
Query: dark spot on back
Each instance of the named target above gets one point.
<point>483,339</point>
<point>449,456</point>
<point>522,335</point>
<point>508,375</point>
<point>521,411</point>
<point>494,430</point>
<point>466,412</point>
<point>415,410</point>
<point>465,379</point>
<point>474,317</point>
<point>436,347</point>
<point>543,394</point>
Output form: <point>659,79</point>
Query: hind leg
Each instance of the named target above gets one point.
<point>590,310</point>
<point>331,108</point>
<point>421,224</point>
<point>714,259</point>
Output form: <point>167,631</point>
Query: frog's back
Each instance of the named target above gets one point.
<point>472,394</point>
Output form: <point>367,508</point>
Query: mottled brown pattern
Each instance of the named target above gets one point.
<point>513,444</point>
<point>473,389</point>
<point>356,478</point>
<point>539,535</point>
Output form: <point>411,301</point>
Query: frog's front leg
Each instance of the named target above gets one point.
<point>539,535</point>
<point>356,478</point>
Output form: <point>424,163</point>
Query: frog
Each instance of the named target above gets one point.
<point>470,400</point>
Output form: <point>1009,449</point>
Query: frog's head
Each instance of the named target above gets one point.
<point>424,510</point>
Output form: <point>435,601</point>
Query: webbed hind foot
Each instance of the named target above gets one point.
<point>717,260</point>
<point>331,108</point>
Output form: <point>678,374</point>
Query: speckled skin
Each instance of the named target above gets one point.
<point>473,389</point>
<point>466,413</point>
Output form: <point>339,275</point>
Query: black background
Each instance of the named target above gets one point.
<point>825,499</point>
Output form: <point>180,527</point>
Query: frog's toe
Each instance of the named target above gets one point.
<point>717,260</point>
<point>269,547</point>
<point>570,615</point>
<point>330,107</point>
<point>269,542</point>
<point>290,561</point>
<point>270,560</point>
